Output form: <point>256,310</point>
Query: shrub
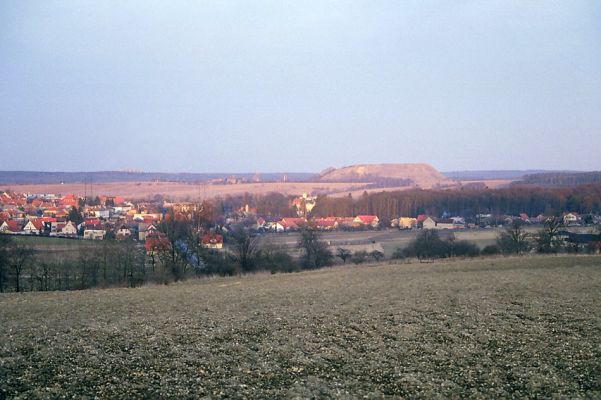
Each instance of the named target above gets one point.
<point>377,255</point>
<point>399,254</point>
<point>279,261</point>
<point>427,245</point>
<point>491,250</point>
<point>359,257</point>
<point>463,248</point>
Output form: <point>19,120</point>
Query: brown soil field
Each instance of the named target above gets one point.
<point>183,191</point>
<point>492,183</point>
<point>489,328</point>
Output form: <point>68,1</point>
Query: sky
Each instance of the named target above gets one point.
<point>275,86</point>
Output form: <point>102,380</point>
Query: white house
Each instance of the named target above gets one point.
<point>429,223</point>
<point>33,227</point>
<point>93,234</point>
<point>69,229</point>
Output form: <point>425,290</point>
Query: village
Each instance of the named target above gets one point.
<point>114,217</point>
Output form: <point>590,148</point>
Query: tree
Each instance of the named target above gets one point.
<point>314,252</point>
<point>490,250</point>
<point>514,240</point>
<point>343,254</point>
<point>18,257</point>
<point>359,257</point>
<point>5,242</point>
<point>463,248</point>
<point>244,248</point>
<point>427,245</point>
<point>74,216</point>
<point>377,255</point>
<point>548,240</point>
<point>174,254</point>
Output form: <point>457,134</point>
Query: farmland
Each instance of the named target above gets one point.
<point>501,327</point>
<point>186,191</point>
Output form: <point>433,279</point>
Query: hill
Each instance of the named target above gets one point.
<point>423,175</point>
<point>495,328</point>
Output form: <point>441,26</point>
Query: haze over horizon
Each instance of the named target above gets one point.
<point>275,87</point>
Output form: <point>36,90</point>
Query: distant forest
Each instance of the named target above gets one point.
<point>468,203</point>
<point>561,179</point>
<point>511,201</point>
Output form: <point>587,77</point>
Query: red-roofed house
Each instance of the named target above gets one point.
<point>326,224</point>
<point>421,218</point>
<point>288,224</point>
<point>69,201</point>
<point>10,227</point>
<point>33,227</point>
<point>371,220</point>
<point>212,241</point>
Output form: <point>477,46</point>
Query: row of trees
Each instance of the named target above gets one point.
<point>514,240</point>
<point>108,263</point>
<point>467,203</point>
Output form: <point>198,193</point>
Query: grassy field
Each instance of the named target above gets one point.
<point>486,328</point>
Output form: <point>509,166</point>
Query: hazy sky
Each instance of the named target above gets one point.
<point>220,86</point>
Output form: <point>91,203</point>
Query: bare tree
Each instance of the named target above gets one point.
<point>315,252</point>
<point>514,240</point>
<point>548,240</point>
<point>4,260</point>
<point>245,248</point>
<point>343,254</point>
<point>18,257</point>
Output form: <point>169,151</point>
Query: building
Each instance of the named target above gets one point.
<point>212,241</point>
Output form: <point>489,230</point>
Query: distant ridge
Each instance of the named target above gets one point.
<point>490,174</point>
<point>423,175</point>
<point>561,179</point>
<point>41,177</point>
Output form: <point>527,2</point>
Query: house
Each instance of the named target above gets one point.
<point>304,204</point>
<point>104,213</point>
<point>69,201</point>
<point>429,223</point>
<point>261,223</point>
<point>33,227</point>
<point>444,223</point>
<point>571,218</point>
<point>407,222</point>
<point>123,232</point>
<point>10,227</point>
<point>326,224</point>
<point>68,229</point>
<point>367,220</point>
<point>212,241</point>
<point>421,218</point>
<point>582,241</point>
<point>94,234</point>
<point>289,224</point>
<point>146,229</point>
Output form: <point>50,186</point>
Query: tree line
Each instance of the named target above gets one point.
<point>467,203</point>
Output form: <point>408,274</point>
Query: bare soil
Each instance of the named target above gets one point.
<point>487,328</point>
